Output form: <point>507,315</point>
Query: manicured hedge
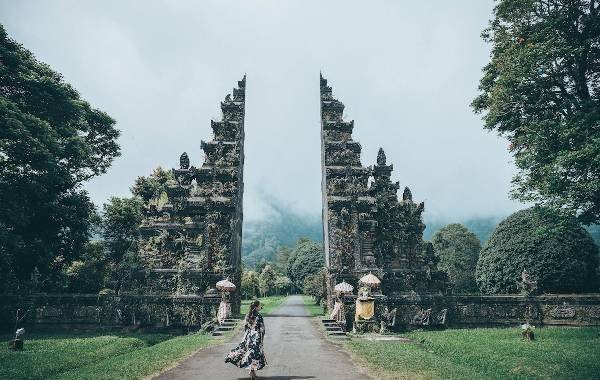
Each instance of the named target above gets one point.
<point>553,248</point>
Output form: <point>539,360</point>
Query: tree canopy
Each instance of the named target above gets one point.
<point>51,141</point>
<point>307,258</point>
<point>554,249</point>
<point>541,90</point>
<point>458,250</point>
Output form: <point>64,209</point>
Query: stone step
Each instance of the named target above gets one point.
<point>336,333</point>
<point>225,328</point>
<point>328,320</point>
<point>228,324</point>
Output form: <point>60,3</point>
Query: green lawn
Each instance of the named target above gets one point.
<point>88,356</point>
<point>268,304</point>
<point>104,356</point>
<point>311,307</point>
<point>557,353</point>
<point>95,356</point>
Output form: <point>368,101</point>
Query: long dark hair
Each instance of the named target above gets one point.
<point>252,311</point>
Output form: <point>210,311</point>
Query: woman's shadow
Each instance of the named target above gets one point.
<point>280,377</point>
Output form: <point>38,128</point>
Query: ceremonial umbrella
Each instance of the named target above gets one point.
<point>226,286</point>
<point>344,288</point>
<point>370,280</point>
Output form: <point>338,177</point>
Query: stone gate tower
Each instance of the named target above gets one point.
<point>348,207</point>
<point>366,228</point>
<point>192,233</point>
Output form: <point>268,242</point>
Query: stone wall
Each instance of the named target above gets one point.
<point>47,312</point>
<point>187,313</point>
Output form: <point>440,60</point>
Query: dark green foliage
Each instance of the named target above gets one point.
<point>541,90</point>
<point>458,251</point>
<point>554,249</point>
<point>121,219</point>
<point>87,275</point>
<point>308,257</point>
<point>482,227</point>
<point>153,185</point>
<point>314,285</point>
<point>51,141</point>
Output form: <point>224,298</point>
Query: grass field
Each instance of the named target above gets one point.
<point>309,304</point>
<point>268,304</point>
<point>556,353</point>
<point>104,356</point>
<point>87,356</point>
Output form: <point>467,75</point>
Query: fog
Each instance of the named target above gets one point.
<point>405,70</point>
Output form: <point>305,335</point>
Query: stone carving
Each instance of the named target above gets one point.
<point>562,312</point>
<point>441,317</point>
<point>421,318</point>
<point>388,319</point>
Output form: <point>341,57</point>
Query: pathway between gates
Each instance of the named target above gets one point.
<point>294,348</point>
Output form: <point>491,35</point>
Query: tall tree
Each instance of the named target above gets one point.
<point>121,219</point>
<point>307,258</point>
<point>458,250</point>
<point>51,142</point>
<point>267,280</point>
<point>541,90</point>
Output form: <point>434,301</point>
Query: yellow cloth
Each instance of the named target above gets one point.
<point>364,310</point>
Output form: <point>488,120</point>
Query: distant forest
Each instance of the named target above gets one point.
<point>261,239</point>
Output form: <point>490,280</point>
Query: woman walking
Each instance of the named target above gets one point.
<point>249,353</point>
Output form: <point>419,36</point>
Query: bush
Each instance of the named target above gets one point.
<point>458,251</point>
<point>556,251</point>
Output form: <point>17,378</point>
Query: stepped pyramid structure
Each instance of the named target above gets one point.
<point>366,228</point>
<point>192,239</point>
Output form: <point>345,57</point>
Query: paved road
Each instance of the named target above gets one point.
<point>294,348</point>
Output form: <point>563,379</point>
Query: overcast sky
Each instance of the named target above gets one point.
<point>406,71</point>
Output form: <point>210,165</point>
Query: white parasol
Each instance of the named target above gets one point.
<point>344,288</point>
<point>370,280</point>
<point>226,286</point>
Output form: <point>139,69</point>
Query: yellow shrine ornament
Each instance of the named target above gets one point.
<point>365,305</point>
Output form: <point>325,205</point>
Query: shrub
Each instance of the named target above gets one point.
<point>556,251</point>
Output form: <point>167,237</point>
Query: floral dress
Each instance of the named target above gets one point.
<point>249,353</point>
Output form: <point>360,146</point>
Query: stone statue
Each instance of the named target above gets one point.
<point>184,161</point>
<point>388,319</point>
<point>381,157</point>
<point>338,313</point>
<point>527,285</point>
<point>422,318</point>
<point>224,311</point>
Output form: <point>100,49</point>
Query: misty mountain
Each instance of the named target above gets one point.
<point>262,238</point>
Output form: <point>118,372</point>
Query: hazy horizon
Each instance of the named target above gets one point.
<point>405,71</point>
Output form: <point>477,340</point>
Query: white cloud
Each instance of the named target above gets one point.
<point>405,70</point>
